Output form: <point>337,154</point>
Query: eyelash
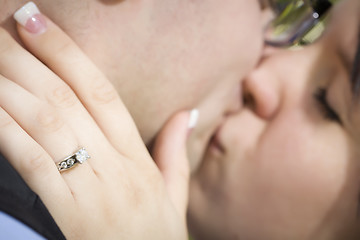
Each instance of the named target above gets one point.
<point>327,111</point>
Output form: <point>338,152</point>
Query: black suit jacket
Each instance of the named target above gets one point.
<point>17,200</point>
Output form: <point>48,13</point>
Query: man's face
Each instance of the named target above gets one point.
<point>288,167</point>
<point>169,55</point>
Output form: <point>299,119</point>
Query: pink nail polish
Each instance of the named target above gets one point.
<point>31,19</point>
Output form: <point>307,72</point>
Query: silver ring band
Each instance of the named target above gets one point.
<point>71,161</point>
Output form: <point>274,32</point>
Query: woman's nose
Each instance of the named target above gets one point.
<point>261,89</point>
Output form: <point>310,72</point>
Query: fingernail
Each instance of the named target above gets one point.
<point>30,18</point>
<point>194,117</point>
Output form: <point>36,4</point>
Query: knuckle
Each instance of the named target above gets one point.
<point>49,120</point>
<point>64,48</point>
<point>102,91</point>
<point>62,97</point>
<point>33,160</point>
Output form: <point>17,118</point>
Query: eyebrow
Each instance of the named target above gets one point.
<point>355,75</point>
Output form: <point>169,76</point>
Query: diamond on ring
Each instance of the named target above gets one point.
<point>78,157</point>
<point>82,155</point>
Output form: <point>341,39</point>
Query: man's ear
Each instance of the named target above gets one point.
<point>264,4</point>
<point>111,2</point>
<point>267,14</point>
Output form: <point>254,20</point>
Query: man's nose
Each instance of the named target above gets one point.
<point>262,92</point>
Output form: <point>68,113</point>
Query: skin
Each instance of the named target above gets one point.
<point>47,116</point>
<point>160,57</point>
<point>280,169</point>
<point>159,54</point>
<point>285,185</point>
<point>275,187</point>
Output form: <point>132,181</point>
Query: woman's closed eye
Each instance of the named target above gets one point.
<point>326,110</point>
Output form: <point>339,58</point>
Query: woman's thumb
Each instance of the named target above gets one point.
<point>170,155</point>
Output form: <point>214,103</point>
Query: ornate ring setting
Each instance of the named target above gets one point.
<point>71,161</point>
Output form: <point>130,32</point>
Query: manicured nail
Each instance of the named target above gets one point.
<point>194,117</point>
<point>31,19</point>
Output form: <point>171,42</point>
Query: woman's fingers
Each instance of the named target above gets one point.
<point>36,167</point>
<point>53,47</point>
<point>38,119</point>
<point>45,126</point>
<point>171,157</point>
<point>82,200</point>
<point>32,75</point>
<point>32,162</point>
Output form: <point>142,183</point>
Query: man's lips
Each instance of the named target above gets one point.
<point>215,144</point>
<point>212,136</point>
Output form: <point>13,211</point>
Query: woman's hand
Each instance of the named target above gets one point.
<point>50,111</point>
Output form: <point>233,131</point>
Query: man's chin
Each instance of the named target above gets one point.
<point>197,150</point>
<point>199,146</point>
